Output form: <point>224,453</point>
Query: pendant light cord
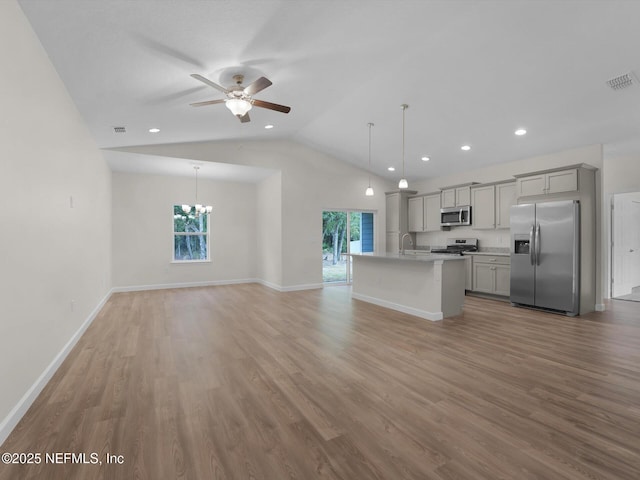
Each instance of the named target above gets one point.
<point>197,168</point>
<point>370,125</point>
<point>404,107</point>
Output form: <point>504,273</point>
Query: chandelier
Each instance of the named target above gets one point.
<point>199,208</point>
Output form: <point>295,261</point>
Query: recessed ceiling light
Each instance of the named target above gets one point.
<point>268,127</point>
<point>466,148</point>
<point>520,131</point>
<point>392,169</point>
<point>425,159</point>
<point>154,130</point>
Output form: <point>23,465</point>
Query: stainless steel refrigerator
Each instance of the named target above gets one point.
<point>545,255</point>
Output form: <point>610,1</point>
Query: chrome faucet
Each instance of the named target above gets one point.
<point>402,242</point>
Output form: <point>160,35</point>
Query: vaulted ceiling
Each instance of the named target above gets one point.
<point>472,72</point>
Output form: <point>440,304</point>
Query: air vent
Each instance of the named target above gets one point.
<point>622,81</point>
<point>119,130</point>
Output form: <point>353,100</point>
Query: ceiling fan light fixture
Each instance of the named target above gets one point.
<point>238,106</point>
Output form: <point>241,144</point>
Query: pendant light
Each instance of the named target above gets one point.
<point>369,191</point>
<point>403,181</point>
<point>199,208</point>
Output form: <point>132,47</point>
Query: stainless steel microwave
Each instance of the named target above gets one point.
<point>455,216</point>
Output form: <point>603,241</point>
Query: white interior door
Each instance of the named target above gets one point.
<point>626,243</point>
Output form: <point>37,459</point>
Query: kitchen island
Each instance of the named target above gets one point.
<point>427,286</point>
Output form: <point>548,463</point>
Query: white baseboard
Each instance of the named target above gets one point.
<point>163,286</point>
<point>272,286</point>
<point>213,283</point>
<point>433,316</point>
<point>11,420</point>
<point>294,288</point>
<point>308,286</point>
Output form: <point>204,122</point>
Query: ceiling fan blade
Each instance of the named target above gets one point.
<point>209,82</point>
<point>257,86</point>
<point>208,102</point>
<point>245,118</point>
<point>272,106</point>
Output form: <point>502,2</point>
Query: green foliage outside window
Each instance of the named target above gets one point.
<point>190,235</point>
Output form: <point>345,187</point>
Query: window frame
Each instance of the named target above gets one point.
<point>207,235</point>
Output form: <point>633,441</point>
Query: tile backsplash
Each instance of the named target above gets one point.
<point>487,239</point>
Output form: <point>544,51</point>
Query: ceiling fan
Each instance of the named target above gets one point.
<point>240,99</point>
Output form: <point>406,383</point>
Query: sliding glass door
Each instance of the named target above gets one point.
<point>344,232</point>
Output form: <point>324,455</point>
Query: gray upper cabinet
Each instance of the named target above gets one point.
<point>393,212</point>
<point>548,183</point>
<point>456,196</point>
<point>424,213</point>
<point>416,214</point>
<point>505,197</point>
<point>483,208</point>
<point>448,198</point>
<point>491,205</point>
<point>396,217</point>
<point>432,213</point>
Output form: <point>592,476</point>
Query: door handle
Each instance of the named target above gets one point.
<point>538,244</point>
<point>460,216</point>
<point>531,246</point>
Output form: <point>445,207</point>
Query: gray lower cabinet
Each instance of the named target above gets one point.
<point>491,274</point>
<point>468,281</point>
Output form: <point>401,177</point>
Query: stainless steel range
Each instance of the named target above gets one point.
<point>457,246</point>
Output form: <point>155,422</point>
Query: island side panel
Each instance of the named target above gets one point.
<point>410,287</point>
<point>453,281</point>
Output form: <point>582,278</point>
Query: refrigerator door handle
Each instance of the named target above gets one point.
<point>531,247</point>
<point>537,244</point>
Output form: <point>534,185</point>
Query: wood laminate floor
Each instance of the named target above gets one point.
<point>242,382</point>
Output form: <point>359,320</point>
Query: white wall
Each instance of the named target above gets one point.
<point>52,255</point>
<point>310,183</point>
<point>143,230</point>
<point>269,230</point>
<point>621,175</point>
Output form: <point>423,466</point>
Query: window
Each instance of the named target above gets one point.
<point>190,236</point>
